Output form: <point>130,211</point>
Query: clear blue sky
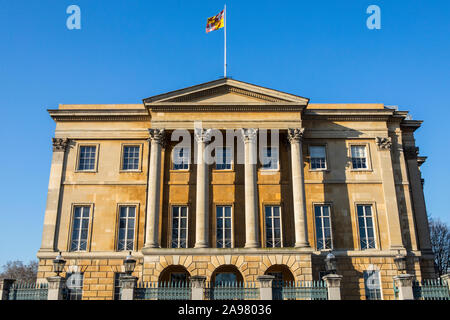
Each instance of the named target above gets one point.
<point>129,50</point>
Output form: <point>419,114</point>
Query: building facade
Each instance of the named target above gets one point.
<point>289,182</point>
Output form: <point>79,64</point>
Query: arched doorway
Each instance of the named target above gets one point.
<point>174,273</point>
<point>226,273</point>
<point>281,272</point>
<point>282,276</point>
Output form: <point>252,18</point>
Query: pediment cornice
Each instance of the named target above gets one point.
<point>224,86</point>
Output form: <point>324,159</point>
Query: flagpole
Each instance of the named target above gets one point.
<point>225,41</point>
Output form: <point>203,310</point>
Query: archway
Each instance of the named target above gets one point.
<point>174,273</point>
<point>282,276</point>
<point>226,273</point>
<point>281,272</point>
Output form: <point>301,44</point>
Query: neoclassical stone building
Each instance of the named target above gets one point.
<point>340,177</point>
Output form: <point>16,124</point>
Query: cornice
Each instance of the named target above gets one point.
<point>410,125</point>
<point>348,114</point>
<point>99,115</point>
<point>224,107</point>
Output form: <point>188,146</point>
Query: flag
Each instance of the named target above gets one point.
<point>215,22</point>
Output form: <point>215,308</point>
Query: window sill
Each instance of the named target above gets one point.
<point>222,170</point>
<point>319,170</point>
<point>361,170</point>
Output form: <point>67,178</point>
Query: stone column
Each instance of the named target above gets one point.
<point>249,137</point>
<point>127,283</point>
<point>202,136</point>
<point>418,199</point>
<point>54,190</point>
<point>334,286</point>
<point>154,186</point>
<point>265,287</point>
<point>404,283</point>
<point>390,194</point>
<point>295,137</point>
<point>56,286</point>
<point>5,284</point>
<point>198,286</point>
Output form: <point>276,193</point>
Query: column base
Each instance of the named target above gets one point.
<point>252,245</point>
<point>201,245</point>
<point>302,245</point>
<point>151,245</point>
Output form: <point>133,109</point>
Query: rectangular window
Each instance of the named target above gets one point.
<point>127,222</point>
<point>74,286</point>
<point>323,226</point>
<point>117,287</point>
<point>80,228</point>
<point>318,157</point>
<point>130,160</point>
<point>223,158</point>
<point>224,226</point>
<point>179,227</point>
<point>270,158</point>
<point>372,284</point>
<point>366,230</point>
<point>181,157</point>
<point>359,157</point>
<point>273,226</point>
<point>86,161</point>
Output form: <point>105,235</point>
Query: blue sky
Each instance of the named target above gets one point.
<point>129,50</point>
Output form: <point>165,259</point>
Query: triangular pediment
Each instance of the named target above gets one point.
<point>226,90</point>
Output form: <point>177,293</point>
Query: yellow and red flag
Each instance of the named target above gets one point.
<point>215,22</point>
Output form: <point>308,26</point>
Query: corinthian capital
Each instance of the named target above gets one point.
<point>384,143</point>
<point>60,144</point>
<point>202,135</point>
<point>157,135</point>
<point>249,135</point>
<point>295,135</point>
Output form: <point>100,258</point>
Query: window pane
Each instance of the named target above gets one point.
<point>227,211</point>
<point>130,158</point>
<point>87,158</point>
<point>317,151</point>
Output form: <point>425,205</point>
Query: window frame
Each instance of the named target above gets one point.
<point>215,224</point>
<point>330,206</point>
<point>77,162</point>
<point>232,159</point>
<point>172,166</point>
<point>122,154</point>
<point>136,224</point>
<point>325,146</point>
<point>264,205</point>
<point>368,156</point>
<point>89,235</point>
<point>374,222</point>
<point>171,225</point>
<point>278,160</point>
